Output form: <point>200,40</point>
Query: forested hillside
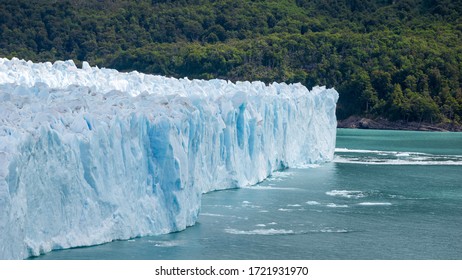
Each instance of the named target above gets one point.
<point>401,60</point>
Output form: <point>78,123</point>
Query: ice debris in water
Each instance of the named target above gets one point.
<point>91,155</point>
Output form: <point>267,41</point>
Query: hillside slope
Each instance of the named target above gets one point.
<point>400,60</point>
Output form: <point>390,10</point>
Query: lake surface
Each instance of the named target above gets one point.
<point>387,195</point>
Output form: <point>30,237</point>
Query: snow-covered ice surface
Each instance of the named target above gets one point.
<point>92,155</point>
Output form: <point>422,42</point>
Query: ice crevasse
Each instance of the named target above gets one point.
<point>91,155</point>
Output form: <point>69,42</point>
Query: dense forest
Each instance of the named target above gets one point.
<point>397,59</point>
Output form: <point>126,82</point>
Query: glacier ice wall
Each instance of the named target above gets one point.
<point>92,155</point>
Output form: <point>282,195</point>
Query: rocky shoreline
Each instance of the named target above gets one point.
<point>381,123</point>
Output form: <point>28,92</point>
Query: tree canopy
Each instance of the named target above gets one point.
<point>397,59</point>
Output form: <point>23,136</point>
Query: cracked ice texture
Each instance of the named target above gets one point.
<point>92,155</point>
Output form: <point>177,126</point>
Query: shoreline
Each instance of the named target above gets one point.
<point>384,124</point>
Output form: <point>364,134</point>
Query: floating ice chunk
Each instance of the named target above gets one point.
<point>270,231</point>
<point>375,203</point>
<point>333,205</point>
<point>346,193</point>
<point>311,202</point>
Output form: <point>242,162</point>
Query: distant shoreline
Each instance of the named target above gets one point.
<point>383,124</point>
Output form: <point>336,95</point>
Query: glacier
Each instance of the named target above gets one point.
<point>90,155</point>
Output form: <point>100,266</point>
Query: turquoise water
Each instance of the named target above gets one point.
<point>387,195</point>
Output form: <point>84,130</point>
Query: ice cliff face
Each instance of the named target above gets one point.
<point>92,155</point>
